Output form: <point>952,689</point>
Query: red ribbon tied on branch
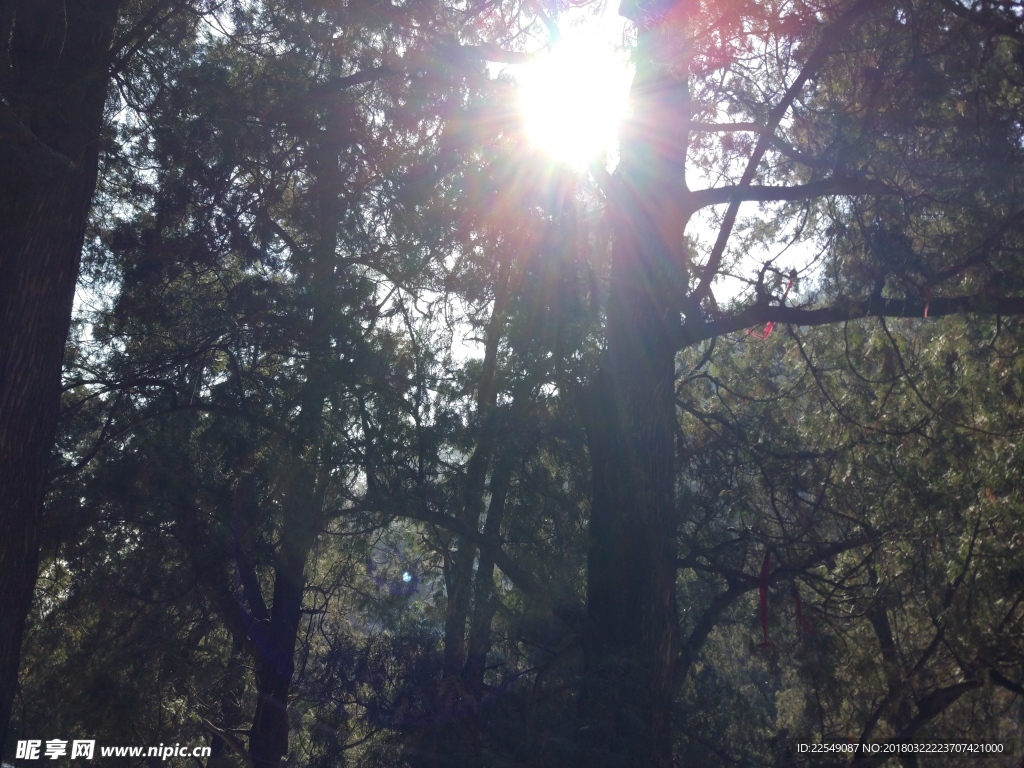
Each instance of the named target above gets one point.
<point>762,590</point>
<point>770,325</point>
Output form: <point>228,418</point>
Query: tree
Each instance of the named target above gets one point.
<point>916,226</point>
<point>255,379</point>
<point>57,67</point>
<point>57,63</point>
<point>849,472</point>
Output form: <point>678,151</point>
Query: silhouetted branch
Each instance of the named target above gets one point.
<point>759,314</point>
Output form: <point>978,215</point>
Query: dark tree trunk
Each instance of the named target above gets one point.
<point>459,573</point>
<point>630,646</point>
<point>630,649</point>
<point>485,602</point>
<point>275,661</point>
<point>53,76</point>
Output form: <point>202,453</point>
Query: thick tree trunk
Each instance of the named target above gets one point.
<point>631,648</point>
<point>53,77</point>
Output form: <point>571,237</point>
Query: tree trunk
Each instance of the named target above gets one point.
<point>459,573</point>
<point>630,649</point>
<point>485,601</point>
<point>53,81</point>
<point>275,663</point>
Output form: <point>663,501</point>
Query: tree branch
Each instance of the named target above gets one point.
<point>821,52</point>
<point>840,185</point>
<point>233,743</point>
<point>934,704</point>
<point>699,127</point>
<point>493,52</point>
<point>777,143</point>
<point>759,314</point>
<point>130,43</point>
<point>693,645</point>
<point>415,62</point>
<point>250,582</point>
<point>1001,680</point>
<point>986,17</point>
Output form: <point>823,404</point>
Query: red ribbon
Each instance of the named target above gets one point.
<point>770,326</point>
<point>762,589</point>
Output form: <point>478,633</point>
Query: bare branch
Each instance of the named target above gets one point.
<point>845,186</point>
<point>727,127</point>
<point>821,52</point>
<point>759,314</point>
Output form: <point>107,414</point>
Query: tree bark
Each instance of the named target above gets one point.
<point>53,78</point>
<point>630,649</point>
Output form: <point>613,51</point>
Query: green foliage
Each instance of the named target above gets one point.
<point>865,460</point>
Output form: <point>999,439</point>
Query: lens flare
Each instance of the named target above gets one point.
<point>575,96</point>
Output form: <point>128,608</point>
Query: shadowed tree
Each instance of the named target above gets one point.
<point>56,64</point>
<point>269,256</point>
<point>916,204</point>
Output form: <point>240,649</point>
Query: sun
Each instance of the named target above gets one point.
<point>574,97</point>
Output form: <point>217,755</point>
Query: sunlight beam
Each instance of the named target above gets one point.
<point>575,97</point>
